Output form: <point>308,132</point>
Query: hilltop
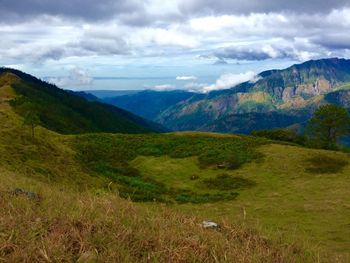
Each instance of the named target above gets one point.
<point>65,112</point>
<point>114,197</point>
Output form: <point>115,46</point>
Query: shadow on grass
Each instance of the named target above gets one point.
<point>322,164</point>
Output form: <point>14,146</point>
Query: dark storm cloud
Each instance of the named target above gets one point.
<point>242,54</point>
<point>333,41</point>
<point>82,9</point>
<point>104,46</point>
<point>259,6</point>
<point>249,53</point>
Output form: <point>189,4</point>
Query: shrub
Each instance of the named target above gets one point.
<point>285,135</point>
<point>322,164</point>
<point>204,198</point>
<point>227,182</point>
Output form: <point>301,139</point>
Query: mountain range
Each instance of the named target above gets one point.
<point>278,98</point>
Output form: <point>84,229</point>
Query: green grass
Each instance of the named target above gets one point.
<point>287,200</point>
<point>113,157</point>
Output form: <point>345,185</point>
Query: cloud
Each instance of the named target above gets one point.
<point>186,78</point>
<point>164,87</point>
<point>259,6</point>
<point>175,33</point>
<point>195,87</point>
<point>251,52</point>
<point>76,77</point>
<point>230,80</point>
<point>333,41</point>
<point>220,61</point>
<point>89,10</point>
<point>225,81</point>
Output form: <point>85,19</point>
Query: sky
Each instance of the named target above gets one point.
<point>198,45</point>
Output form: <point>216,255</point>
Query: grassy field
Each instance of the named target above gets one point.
<point>289,199</point>
<point>275,202</point>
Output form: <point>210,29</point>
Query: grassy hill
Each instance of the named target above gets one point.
<point>139,198</point>
<point>66,113</point>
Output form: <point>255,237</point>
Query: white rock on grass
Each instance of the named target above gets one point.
<point>209,224</point>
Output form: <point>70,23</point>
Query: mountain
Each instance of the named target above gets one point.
<point>103,94</point>
<point>283,96</point>
<point>149,104</point>
<point>67,113</point>
<point>278,98</point>
<point>85,95</point>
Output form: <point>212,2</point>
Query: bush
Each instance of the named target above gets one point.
<point>322,164</point>
<point>227,182</point>
<point>285,135</point>
<point>204,198</point>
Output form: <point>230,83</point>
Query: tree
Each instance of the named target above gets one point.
<point>328,123</point>
<point>31,119</point>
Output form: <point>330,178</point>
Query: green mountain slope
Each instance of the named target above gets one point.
<point>298,89</point>
<point>149,104</point>
<point>67,113</point>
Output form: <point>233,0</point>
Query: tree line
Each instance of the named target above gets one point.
<point>328,124</point>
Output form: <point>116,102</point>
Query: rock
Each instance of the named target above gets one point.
<point>30,195</point>
<point>221,166</point>
<point>194,177</point>
<point>209,224</point>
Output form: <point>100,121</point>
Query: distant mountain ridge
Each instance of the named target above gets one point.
<point>105,94</point>
<point>286,97</point>
<point>149,104</point>
<point>68,113</point>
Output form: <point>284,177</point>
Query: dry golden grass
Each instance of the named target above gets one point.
<point>69,226</point>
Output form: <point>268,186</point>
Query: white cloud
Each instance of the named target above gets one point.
<point>230,80</point>
<point>186,78</point>
<point>164,87</point>
<point>195,87</point>
<point>76,77</point>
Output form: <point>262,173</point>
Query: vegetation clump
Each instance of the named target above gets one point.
<point>190,197</point>
<point>227,182</point>
<point>322,164</point>
<point>329,123</point>
<point>286,135</point>
<point>110,155</point>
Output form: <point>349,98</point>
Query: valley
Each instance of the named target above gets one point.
<point>286,97</point>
